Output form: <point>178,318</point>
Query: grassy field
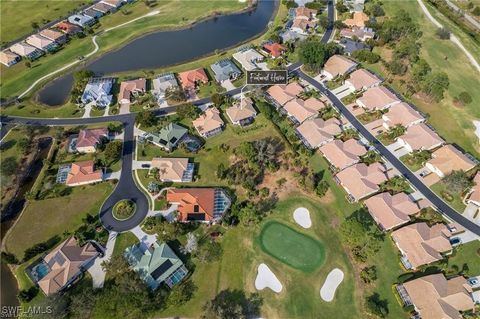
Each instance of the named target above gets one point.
<point>18,16</point>
<point>10,148</point>
<point>44,219</point>
<point>291,247</point>
<point>173,14</point>
<point>469,254</point>
<point>447,57</point>
<point>457,199</point>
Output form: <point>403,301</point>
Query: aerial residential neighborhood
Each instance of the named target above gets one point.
<point>240,159</point>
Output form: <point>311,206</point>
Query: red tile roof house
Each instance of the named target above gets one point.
<point>53,35</point>
<point>68,28</point>
<point>377,98</point>
<point>209,123</point>
<point>420,137</point>
<point>360,180</point>
<point>298,110</point>
<point>274,49</point>
<point>447,159</point>
<point>399,114</point>
<point>421,245</point>
<point>362,79</point>
<point>82,173</point>
<point>131,88</point>
<point>8,58</point>
<point>316,132</point>
<point>341,155</point>
<point>390,211</point>
<point>474,194</point>
<point>191,79</point>
<point>89,139</point>
<point>199,204</point>
<point>279,95</point>
<point>337,65</point>
<point>64,265</point>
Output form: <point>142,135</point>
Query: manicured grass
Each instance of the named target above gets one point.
<point>18,16</point>
<point>123,241</point>
<point>291,247</point>
<point>454,200</point>
<point>414,163</point>
<point>468,254</point>
<point>124,209</point>
<point>44,219</point>
<point>10,148</point>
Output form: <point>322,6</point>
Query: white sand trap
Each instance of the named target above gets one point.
<point>267,279</point>
<point>302,217</point>
<point>477,128</point>
<point>334,278</point>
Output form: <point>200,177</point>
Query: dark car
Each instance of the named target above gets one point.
<point>145,165</point>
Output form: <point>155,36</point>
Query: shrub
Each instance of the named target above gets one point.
<point>443,33</point>
<point>464,98</point>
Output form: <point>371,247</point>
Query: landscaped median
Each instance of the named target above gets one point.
<point>124,209</point>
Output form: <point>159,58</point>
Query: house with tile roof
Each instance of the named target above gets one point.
<point>474,194</point>
<point>103,7</point>
<point>242,112</point>
<point>58,37</point>
<point>225,70</point>
<point>377,98</point>
<point>337,65</point>
<point>360,180</point>
<point>82,173</point>
<point>421,244</point>
<point>390,211</point>
<point>131,89</point>
<point>199,204</point>
<point>274,49</point>
<point>341,154</point>
<point>359,19</point>
<point>302,12</point>
<point>279,94</point>
<point>362,34</point>
<point>63,265</point>
<point>169,136</point>
<point>362,79</point>
<point>89,139</point>
<point>401,114</point>
<point>81,20</point>
<point>68,28</point>
<point>447,159</point>
<point>92,13</point>
<point>42,43</point>
<point>162,83</point>
<point>420,137</point>
<point>298,110</point>
<point>114,3</point>
<point>209,123</point>
<point>173,169</point>
<point>303,27</point>
<point>316,132</point>
<point>26,50</point>
<point>8,58</point>
<point>249,59</point>
<point>191,79</point>
<point>435,296</point>
<point>156,265</point>
<point>98,92</point>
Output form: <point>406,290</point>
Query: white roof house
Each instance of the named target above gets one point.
<point>98,91</point>
<point>248,58</point>
<point>162,83</point>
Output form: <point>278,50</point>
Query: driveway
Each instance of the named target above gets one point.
<point>470,211</point>
<point>343,91</point>
<point>96,270</point>
<point>138,164</point>
<point>145,239</point>
<point>228,85</point>
<point>397,149</point>
<point>112,175</point>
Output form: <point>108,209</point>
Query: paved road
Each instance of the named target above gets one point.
<point>412,178</point>
<point>469,18</point>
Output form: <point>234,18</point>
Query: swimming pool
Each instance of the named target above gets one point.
<point>40,271</point>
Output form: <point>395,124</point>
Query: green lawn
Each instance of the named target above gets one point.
<point>453,199</point>
<point>291,247</point>
<point>123,241</point>
<point>468,254</point>
<point>10,148</point>
<point>44,219</point>
<point>414,163</point>
<point>18,16</point>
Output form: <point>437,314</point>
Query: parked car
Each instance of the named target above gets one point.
<point>145,165</point>
<point>455,241</point>
<point>473,281</point>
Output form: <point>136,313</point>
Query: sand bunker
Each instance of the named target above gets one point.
<point>334,278</point>
<point>267,279</point>
<point>302,217</point>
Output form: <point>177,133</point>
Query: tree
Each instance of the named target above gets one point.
<point>248,215</point>
<point>377,306</point>
<point>443,33</point>
<point>167,231</point>
<point>175,94</point>
<point>208,251</point>
<point>419,70</point>
<point>113,151</point>
<point>369,274</point>
<point>217,99</point>
<point>315,53</point>
<point>232,304</point>
<point>396,67</point>
<point>435,84</point>
<point>8,166</point>
<point>464,98</point>
<point>188,110</point>
<point>398,27</point>
<point>457,181</point>
<point>115,127</point>
<point>376,10</point>
<point>181,293</point>
<point>365,55</point>
<point>341,7</point>
<point>406,48</point>
<point>23,144</point>
<point>321,188</point>
<point>476,11</point>
<point>8,258</point>
<point>146,118</point>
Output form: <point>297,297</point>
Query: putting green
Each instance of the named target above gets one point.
<point>291,247</point>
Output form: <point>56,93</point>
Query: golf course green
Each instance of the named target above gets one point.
<point>291,247</point>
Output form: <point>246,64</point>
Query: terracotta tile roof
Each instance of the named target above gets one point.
<point>241,110</point>
<point>23,49</point>
<point>447,159</point>
<point>91,137</point>
<point>338,65</point>
<point>64,263</point>
<point>358,20</point>
<point>436,297</point>
<point>363,79</point>
<point>402,114</point>
<point>190,78</point>
<point>208,121</point>
<point>422,244</point>
<point>303,24</point>
<point>316,132</point>
<point>343,154</point>
<point>170,169</point>
<point>475,195</point>
<point>305,12</point>
<point>7,57</point>
<point>193,201</point>
<point>39,42</point>
<point>128,87</point>
<point>361,180</point>
<point>52,34</point>
<point>391,211</point>
<point>361,33</point>
<point>284,93</point>
<point>275,49</point>
<point>83,172</point>
<point>377,98</point>
<point>420,137</point>
<point>302,110</point>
